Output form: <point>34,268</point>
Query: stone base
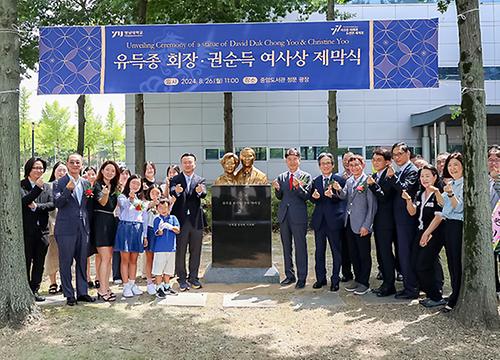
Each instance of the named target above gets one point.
<point>233,275</point>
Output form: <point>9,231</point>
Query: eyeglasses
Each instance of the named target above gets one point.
<point>398,154</point>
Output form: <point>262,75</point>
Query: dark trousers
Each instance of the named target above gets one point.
<point>115,263</point>
<point>192,238</point>
<point>453,247</point>
<point>360,251</point>
<point>73,247</point>
<point>298,232</point>
<point>35,250</point>
<point>335,241</point>
<point>406,240</point>
<point>427,265</point>
<point>384,240</point>
<point>346,258</point>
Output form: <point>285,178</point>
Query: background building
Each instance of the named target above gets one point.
<point>272,121</point>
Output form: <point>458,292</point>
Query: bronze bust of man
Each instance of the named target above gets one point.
<point>248,174</point>
<point>229,162</point>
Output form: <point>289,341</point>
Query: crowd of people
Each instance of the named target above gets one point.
<point>412,208</point>
<point>115,215</point>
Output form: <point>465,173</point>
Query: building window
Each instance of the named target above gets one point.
<point>452,73</point>
<point>213,154</point>
<point>371,148</point>
<point>312,152</point>
<point>276,153</point>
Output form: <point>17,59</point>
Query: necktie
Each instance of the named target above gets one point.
<point>291,181</point>
<point>188,183</point>
<point>325,183</point>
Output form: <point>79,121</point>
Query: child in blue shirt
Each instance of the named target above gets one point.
<point>165,227</point>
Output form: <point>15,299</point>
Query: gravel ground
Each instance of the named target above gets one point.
<point>142,329</point>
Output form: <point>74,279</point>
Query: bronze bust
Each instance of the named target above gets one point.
<point>248,174</point>
<point>229,163</point>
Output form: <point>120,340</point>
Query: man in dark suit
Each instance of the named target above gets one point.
<point>384,227</point>
<point>327,221</point>
<point>188,189</point>
<point>406,178</point>
<point>72,195</point>
<point>293,189</point>
<point>36,203</point>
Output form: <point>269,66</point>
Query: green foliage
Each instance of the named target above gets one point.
<point>443,5</point>
<point>24,124</point>
<point>456,111</point>
<point>114,136</point>
<point>55,137</point>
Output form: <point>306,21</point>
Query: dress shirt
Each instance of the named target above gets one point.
<point>456,213</point>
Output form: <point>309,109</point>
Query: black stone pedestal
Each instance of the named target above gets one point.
<point>241,235</point>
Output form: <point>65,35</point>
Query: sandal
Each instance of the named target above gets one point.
<point>53,289</point>
<point>106,297</point>
<point>97,284</point>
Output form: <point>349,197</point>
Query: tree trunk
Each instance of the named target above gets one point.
<point>140,138</point>
<point>81,124</point>
<point>16,299</point>
<point>333,142</point>
<point>477,305</point>
<point>228,122</point>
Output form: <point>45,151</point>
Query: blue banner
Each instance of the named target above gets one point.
<point>239,57</point>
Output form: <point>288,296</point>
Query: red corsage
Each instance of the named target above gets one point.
<point>361,188</point>
<point>89,193</point>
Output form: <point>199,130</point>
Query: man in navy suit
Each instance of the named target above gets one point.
<point>71,198</point>
<point>406,178</point>
<point>384,227</point>
<point>293,189</point>
<point>188,190</point>
<point>327,221</point>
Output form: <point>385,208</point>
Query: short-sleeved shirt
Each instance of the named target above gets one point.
<point>166,241</point>
<point>426,209</point>
<point>456,213</point>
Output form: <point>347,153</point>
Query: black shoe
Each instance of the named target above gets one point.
<point>71,301</point>
<point>319,284</point>
<point>91,284</point>
<point>195,284</point>
<point>334,287</point>
<point>346,278</point>
<point>399,277</point>
<point>405,295</point>
<point>379,276</point>
<point>287,281</point>
<point>38,297</point>
<point>85,298</point>
<point>160,293</point>
<point>300,284</point>
<point>97,284</point>
<point>383,292</point>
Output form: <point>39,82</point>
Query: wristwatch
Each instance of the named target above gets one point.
<point>451,195</point>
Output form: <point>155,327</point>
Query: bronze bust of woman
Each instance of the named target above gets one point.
<point>229,162</point>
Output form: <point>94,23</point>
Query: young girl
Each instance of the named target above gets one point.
<point>153,196</point>
<point>131,232</point>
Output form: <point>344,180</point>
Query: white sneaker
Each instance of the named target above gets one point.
<point>136,291</point>
<point>117,282</point>
<point>151,289</point>
<point>127,291</point>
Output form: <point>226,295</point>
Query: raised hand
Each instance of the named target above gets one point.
<point>315,194</point>
<point>370,180</point>
<point>70,185</point>
<point>199,188</point>
<point>337,186</point>
<point>448,189</point>
<point>405,195</point>
<point>39,182</point>
<point>329,191</point>
<point>105,190</point>
<point>179,188</point>
<point>433,189</point>
<point>276,184</point>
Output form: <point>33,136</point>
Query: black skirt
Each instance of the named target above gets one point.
<point>104,228</point>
